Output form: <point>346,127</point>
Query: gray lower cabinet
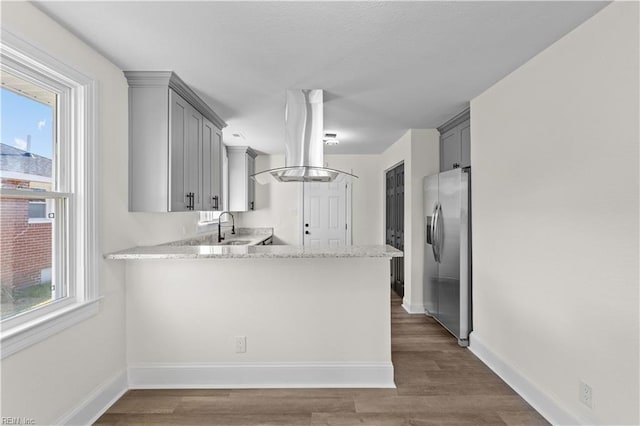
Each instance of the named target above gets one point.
<point>241,185</point>
<point>455,142</point>
<point>175,146</point>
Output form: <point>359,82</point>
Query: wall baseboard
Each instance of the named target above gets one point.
<point>412,309</point>
<point>538,399</point>
<point>97,402</point>
<point>263,375</point>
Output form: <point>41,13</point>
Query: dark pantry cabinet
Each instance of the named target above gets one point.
<point>395,224</point>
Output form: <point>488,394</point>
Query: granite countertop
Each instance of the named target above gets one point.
<point>251,236</point>
<point>207,247</point>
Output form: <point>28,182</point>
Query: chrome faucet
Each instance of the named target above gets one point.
<point>233,225</point>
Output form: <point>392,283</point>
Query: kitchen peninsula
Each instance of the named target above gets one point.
<point>242,316</point>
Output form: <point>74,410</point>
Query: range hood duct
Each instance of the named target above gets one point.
<point>304,154</point>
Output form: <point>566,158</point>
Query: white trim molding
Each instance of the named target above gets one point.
<point>261,375</point>
<point>97,402</point>
<point>76,235</point>
<point>412,309</point>
<point>43,327</point>
<point>545,404</point>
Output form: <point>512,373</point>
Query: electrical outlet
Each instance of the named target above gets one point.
<point>586,394</point>
<point>241,344</point>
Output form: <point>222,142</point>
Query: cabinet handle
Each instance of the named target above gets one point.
<point>215,202</point>
<point>190,202</point>
<point>251,208</point>
<point>456,165</point>
<point>307,232</point>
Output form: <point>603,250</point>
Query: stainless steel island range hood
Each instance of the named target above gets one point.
<point>304,152</point>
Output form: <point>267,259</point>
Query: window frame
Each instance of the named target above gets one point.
<point>75,177</point>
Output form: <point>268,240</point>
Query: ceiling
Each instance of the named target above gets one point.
<point>385,66</point>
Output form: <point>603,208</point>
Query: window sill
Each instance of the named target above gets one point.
<point>33,221</point>
<point>32,332</point>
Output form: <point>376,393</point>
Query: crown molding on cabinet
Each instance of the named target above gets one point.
<point>243,149</point>
<point>170,79</point>
<point>457,119</point>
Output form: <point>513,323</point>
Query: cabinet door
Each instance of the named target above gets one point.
<point>251,190</point>
<point>193,167</point>
<point>208,167</point>
<point>241,186</point>
<point>217,169</point>
<point>179,111</point>
<point>449,149</point>
<point>211,166</point>
<point>465,144</point>
<point>184,159</point>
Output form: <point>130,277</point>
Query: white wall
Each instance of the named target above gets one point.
<point>419,150</point>
<point>278,205</point>
<point>555,219</point>
<point>48,380</point>
<point>366,214</point>
<point>304,322</point>
<point>287,313</point>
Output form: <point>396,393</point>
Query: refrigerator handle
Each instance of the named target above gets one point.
<point>434,233</point>
<point>427,229</point>
<point>439,231</point>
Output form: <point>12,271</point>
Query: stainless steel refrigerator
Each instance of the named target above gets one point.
<point>447,254</point>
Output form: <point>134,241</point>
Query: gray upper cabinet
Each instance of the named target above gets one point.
<point>455,142</point>
<point>211,167</point>
<point>185,124</point>
<point>449,149</point>
<point>241,186</point>
<point>175,146</point>
<point>465,143</point>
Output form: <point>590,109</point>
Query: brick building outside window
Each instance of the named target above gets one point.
<point>26,225</point>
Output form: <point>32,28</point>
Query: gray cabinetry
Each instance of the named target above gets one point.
<point>455,142</point>
<point>178,158</point>
<point>185,124</point>
<point>211,166</point>
<point>175,142</point>
<point>241,186</point>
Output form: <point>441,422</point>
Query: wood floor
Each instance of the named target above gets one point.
<point>437,381</point>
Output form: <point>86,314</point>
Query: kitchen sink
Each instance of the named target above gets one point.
<point>236,243</point>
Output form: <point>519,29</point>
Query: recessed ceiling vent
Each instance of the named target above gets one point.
<point>330,139</point>
<point>304,153</point>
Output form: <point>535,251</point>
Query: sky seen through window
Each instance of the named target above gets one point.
<point>21,117</point>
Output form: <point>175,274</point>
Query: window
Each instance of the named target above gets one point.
<point>40,211</point>
<point>37,210</point>
<point>47,229</point>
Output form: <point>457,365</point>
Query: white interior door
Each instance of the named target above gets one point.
<point>325,218</point>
